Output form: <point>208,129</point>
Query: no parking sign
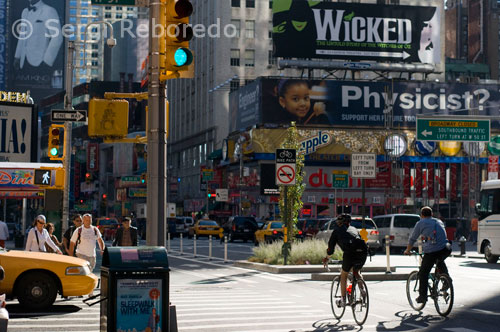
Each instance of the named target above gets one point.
<point>285,167</point>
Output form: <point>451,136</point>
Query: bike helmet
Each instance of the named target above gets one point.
<point>343,219</point>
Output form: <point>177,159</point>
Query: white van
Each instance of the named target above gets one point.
<point>488,210</point>
<point>398,226</point>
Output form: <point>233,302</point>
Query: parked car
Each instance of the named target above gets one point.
<point>270,232</point>
<point>180,226</point>
<point>205,227</point>
<point>310,227</point>
<point>397,226</point>
<point>107,226</point>
<point>35,278</point>
<point>241,228</point>
<point>373,242</point>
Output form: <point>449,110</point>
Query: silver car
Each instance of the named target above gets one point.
<point>356,221</point>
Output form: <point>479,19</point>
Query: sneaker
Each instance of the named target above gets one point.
<point>340,303</point>
<point>421,299</point>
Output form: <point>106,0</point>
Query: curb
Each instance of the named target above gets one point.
<point>280,269</point>
<point>366,276</point>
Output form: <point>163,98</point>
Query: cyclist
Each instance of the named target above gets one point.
<point>435,246</point>
<point>355,252</point>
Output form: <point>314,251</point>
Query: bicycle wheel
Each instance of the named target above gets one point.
<point>443,295</point>
<point>335,295</point>
<point>412,286</point>
<point>360,301</point>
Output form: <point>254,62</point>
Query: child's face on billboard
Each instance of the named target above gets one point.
<point>296,100</point>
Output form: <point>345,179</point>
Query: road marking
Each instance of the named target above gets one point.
<point>246,318</point>
<point>487,311</point>
<point>211,314</point>
<point>240,324</point>
<point>235,304</point>
<point>224,300</point>
<point>242,308</point>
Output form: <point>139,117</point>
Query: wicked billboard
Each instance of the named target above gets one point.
<point>357,31</point>
<point>357,104</point>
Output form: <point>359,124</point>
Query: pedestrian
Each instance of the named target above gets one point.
<point>77,222</point>
<point>38,237</point>
<point>50,228</point>
<point>4,233</point>
<point>473,228</point>
<point>126,236</point>
<point>84,239</point>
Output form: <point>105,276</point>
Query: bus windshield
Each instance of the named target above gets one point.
<point>490,202</point>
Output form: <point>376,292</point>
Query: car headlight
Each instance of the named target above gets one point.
<point>78,270</point>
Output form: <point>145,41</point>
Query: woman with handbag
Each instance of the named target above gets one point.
<point>38,237</point>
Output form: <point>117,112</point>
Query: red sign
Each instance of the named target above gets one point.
<point>93,157</point>
<point>465,180</point>
<point>453,181</point>
<point>442,180</point>
<point>383,179</point>
<point>418,180</point>
<point>285,174</point>
<point>430,180</point>
<point>493,164</point>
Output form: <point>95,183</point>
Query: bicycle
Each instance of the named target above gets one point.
<point>358,301</point>
<point>440,290</point>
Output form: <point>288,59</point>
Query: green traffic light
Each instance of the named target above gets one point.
<point>180,57</point>
<point>54,152</point>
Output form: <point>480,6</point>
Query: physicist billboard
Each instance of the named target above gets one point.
<point>347,104</point>
<point>357,31</point>
<point>36,56</point>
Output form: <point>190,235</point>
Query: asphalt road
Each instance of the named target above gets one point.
<point>211,295</point>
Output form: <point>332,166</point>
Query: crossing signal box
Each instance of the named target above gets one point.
<point>56,142</point>
<point>175,42</point>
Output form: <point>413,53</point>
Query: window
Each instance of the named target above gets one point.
<point>270,4</point>
<point>235,57</point>
<point>271,59</point>
<point>250,29</point>
<point>235,85</point>
<point>118,15</point>
<point>405,221</point>
<point>250,3</point>
<point>249,58</point>
<point>237,25</point>
<point>270,33</point>
<point>235,3</point>
<point>107,15</point>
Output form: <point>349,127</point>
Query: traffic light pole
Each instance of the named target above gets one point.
<point>157,137</point>
<point>68,105</point>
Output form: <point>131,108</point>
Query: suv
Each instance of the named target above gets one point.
<point>398,226</point>
<point>241,228</point>
<point>107,226</point>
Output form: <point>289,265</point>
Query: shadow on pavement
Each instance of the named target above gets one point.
<point>330,325</point>
<point>17,311</point>
<point>409,321</point>
<point>483,265</point>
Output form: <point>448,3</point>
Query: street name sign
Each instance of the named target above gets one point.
<point>364,165</point>
<point>72,116</point>
<point>286,166</point>
<point>340,179</point>
<point>453,128</point>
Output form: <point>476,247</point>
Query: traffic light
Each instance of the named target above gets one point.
<point>88,177</point>
<point>56,142</point>
<point>178,57</point>
<point>104,197</point>
<point>143,178</point>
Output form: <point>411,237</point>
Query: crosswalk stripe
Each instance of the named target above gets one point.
<point>297,322</point>
<point>226,300</point>
<point>233,318</point>
<point>212,314</point>
<point>51,319</point>
<point>245,304</point>
<point>45,326</point>
<point>181,310</point>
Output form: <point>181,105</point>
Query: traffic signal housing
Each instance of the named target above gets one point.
<point>56,142</point>
<point>143,178</point>
<point>178,57</point>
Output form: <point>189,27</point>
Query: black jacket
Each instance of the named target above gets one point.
<point>119,234</point>
<point>347,238</point>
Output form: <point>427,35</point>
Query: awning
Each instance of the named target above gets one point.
<point>217,154</point>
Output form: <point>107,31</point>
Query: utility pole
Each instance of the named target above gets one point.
<point>68,105</point>
<point>157,136</point>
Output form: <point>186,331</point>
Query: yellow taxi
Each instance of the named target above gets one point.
<point>205,227</point>
<point>36,278</point>
<point>270,232</point>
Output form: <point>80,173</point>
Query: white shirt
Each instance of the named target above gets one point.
<point>4,231</point>
<point>33,245</point>
<point>87,240</point>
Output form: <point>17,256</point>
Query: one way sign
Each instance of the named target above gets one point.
<point>73,116</point>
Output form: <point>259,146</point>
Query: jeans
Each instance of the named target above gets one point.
<point>428,262</point>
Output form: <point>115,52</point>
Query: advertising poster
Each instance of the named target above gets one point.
<point>357,31</point>
<point>36,43</point>
<point>139,305</point>
<point>345,104</point>
<point>18,132</point>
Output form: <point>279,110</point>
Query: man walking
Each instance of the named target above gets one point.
<point>77,222</point>
<point>85,237</point>
<point>126,236</point>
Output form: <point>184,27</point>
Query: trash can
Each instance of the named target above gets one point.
<point>134,289</point>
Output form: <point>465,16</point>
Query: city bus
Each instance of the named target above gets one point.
<point>488,210</point>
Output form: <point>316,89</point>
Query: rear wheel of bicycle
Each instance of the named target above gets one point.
<point>335,294</point>
<point>360,302</point>
<point>444,295</point>
<point>412,286</point>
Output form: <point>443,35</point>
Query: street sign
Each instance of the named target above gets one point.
<point>285,174</point>
<point>493,168</point>
<point>43,177</point>
<point>73,116</point>
<point>114,2</point>
<point>221,195</point>
<point>364,165</point>
<point>340,179</point>
<point>453,128</point>
<point>494,145</point>
<point>286,156</point>
<point>208,174</point>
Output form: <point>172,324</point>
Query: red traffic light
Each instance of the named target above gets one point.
<point>183,8</point>
<point>56,131</point>
<point>104,196</point>
<point>87,175</point>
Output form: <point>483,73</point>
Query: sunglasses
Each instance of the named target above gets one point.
<point>41,222</point>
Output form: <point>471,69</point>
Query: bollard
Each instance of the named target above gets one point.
<point>462,241</point>
<point>168,241</point>
<point>180,239</point>
<point>210,247</point>
<point>388,254</point>
<point>194,245</point>
<point>419,243</point>
<point>225,249</point>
